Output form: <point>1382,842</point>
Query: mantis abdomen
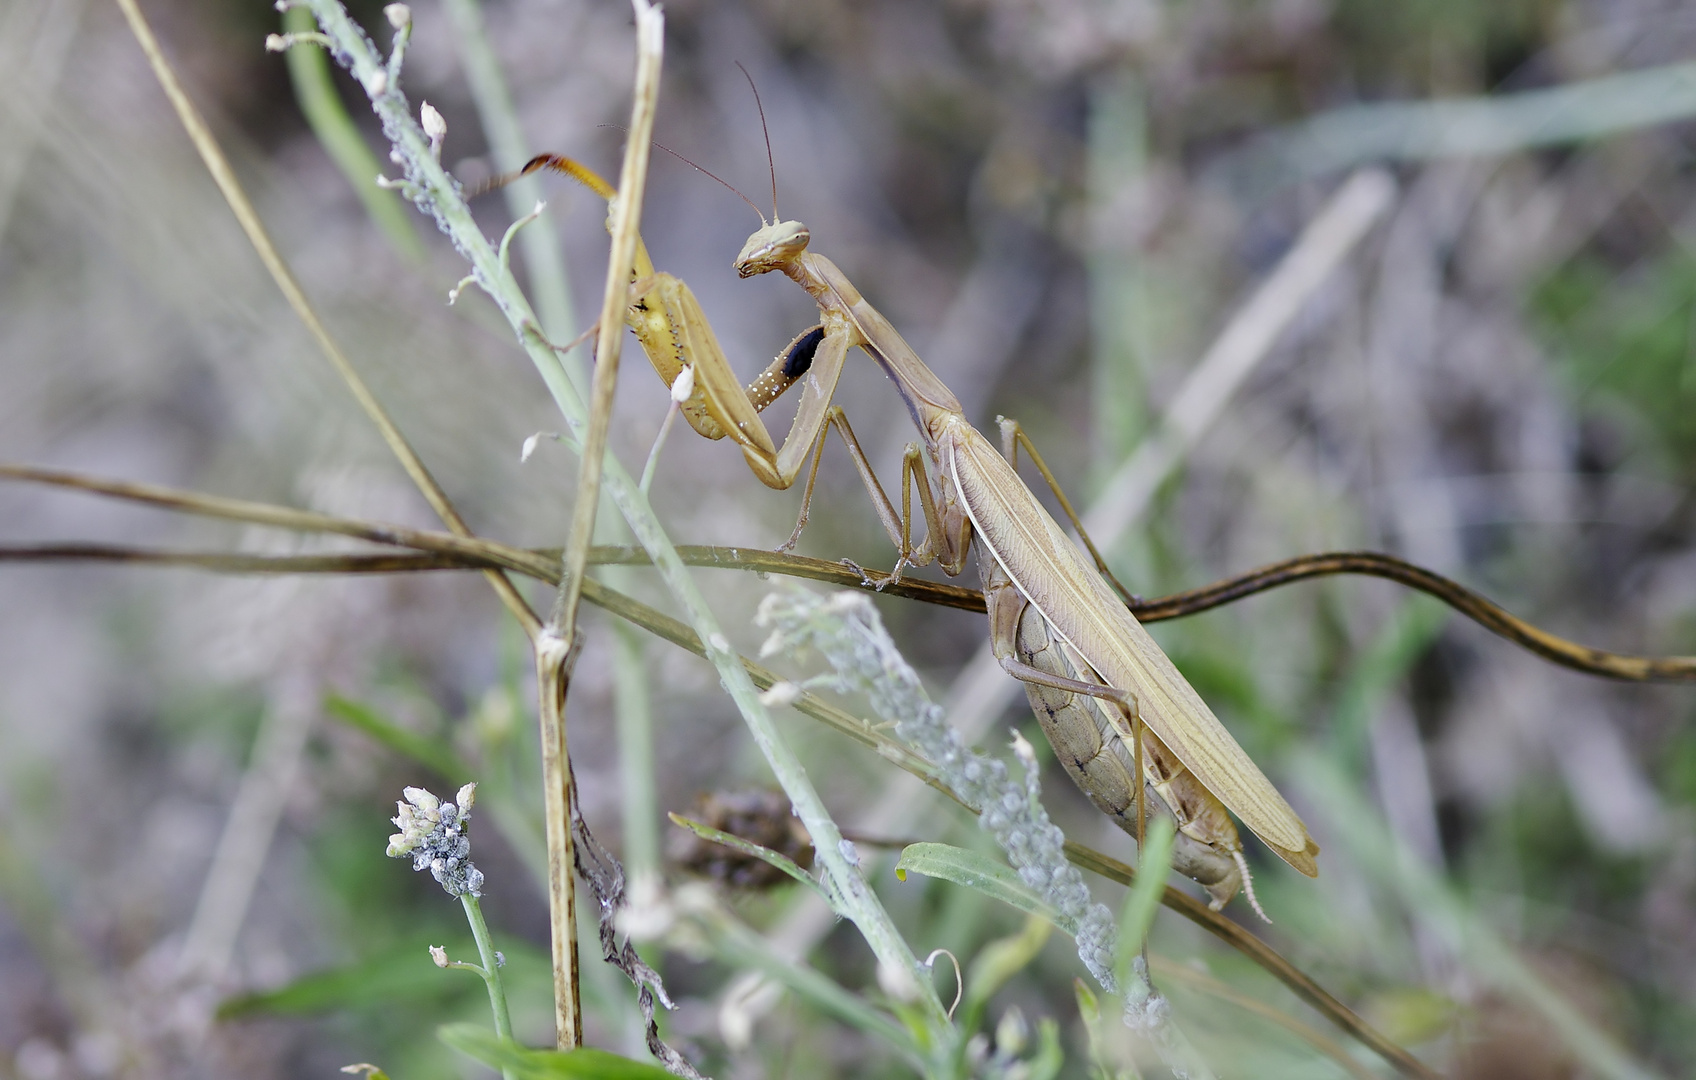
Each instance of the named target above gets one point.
<point>1089,742</point>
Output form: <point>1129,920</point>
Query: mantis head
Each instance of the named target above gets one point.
<point>774,247</point>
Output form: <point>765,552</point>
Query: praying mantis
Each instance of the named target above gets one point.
<point>1113,705</point>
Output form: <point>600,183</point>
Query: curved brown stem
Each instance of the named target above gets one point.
<point>1475,607</point>
<point>452,552</point>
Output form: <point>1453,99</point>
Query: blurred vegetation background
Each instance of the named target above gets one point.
<point>1060,205</point>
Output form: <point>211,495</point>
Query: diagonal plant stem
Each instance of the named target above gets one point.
<point>315,93</point>
<point>1483,126</point>
<point>626,222</point>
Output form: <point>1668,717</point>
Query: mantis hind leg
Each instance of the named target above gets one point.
<point>1012,437</point>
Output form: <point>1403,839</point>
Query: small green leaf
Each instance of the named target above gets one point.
<point>980,872</point>
<point>1089,1009</point>
<point>584,1063</point>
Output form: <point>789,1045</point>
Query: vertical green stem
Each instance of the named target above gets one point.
<point>635,754</point>
<point>491,969</point>
<point>315,92</point>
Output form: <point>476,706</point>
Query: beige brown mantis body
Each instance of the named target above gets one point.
<point>1092,738</point>
<point>1106,677</point>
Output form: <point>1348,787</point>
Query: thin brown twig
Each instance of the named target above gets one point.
<point>224,562</point>
<point>626,235</point>
<point>287,517</point>
<point>1463,600</point>
<point>477,553</point>
<point>1487,614</point>
<point>558,642</point>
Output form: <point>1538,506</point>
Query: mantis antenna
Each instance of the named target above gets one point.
<point>721,180</point>
<point>771,161</point>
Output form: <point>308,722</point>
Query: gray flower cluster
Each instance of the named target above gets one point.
<point>433,833</point>
<point>847,632</point>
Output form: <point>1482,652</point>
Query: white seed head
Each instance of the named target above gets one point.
<point>434,126</point>
<point>378,84</point>
<point>648,912</point>
<point>1024,750</point>
<point>781,694</point>
<point>466,798</point>
<point>684,385</point>
<point>848,852</point>
<point>399,16</point>
<point>439,955</point>
<point>276,43</point>
<point>530,443</point>
<point>897,982</point>
<point>1012,1033</point>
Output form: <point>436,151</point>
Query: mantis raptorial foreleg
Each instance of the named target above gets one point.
<point>675,334</point>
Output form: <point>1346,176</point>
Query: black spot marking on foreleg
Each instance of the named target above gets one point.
<point>799,358</point>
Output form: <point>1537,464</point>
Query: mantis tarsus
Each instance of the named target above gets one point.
<point>1105,678</point>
